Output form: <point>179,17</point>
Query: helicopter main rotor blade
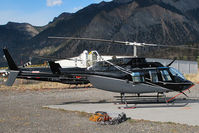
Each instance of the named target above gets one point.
<point>48,58</point>
<point>103,40</point>
<point>87,39</point>
<point>177,46</point>
<point>122,42</point>
<point>54,59</point>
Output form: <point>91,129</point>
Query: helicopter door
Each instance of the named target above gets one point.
<point>165,75</point>
<point>153,76</point>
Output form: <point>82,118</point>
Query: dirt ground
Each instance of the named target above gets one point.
<point>21,110</point>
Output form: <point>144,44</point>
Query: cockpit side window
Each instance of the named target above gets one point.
<point>165,75</point>
<point>153,76</point>
<point>177,75</point>
<point>137,77</point>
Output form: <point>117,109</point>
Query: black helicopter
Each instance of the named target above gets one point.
<point>132,75</point>
<point>51,74</point>
<point>127,75</point>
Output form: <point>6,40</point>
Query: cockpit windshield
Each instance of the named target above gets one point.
<point>176,73</point>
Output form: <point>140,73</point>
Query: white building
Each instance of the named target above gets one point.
<point>86,59</point>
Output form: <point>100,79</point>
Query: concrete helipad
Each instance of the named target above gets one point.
<point>182,111</point>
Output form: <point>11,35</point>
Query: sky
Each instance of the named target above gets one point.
<point>38,12</point>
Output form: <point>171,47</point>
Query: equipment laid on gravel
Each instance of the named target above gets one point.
<point>104,118</point>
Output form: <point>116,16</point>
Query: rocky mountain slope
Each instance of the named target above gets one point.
<point>15,35</point>
<point>152,21</point>
<point>16,32</point>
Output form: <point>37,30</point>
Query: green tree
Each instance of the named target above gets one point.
<point>184,57</point>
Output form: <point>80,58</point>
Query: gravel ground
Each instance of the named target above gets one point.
<point>22,111</point>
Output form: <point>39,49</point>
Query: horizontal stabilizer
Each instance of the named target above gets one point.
<point>11,78</point>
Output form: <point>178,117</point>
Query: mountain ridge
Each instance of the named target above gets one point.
<point>174,22</point>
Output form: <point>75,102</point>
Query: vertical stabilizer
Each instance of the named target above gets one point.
<point>11,63</point>
<point>54,67</point>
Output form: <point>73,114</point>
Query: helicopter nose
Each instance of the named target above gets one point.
<point>188,85</point>
<point>191,83</point>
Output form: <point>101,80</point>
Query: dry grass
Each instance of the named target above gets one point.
<point>79,113</point>
<point>193,77</point>
<point>23,85</point>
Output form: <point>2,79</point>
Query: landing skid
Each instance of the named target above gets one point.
<point>123,100</point>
